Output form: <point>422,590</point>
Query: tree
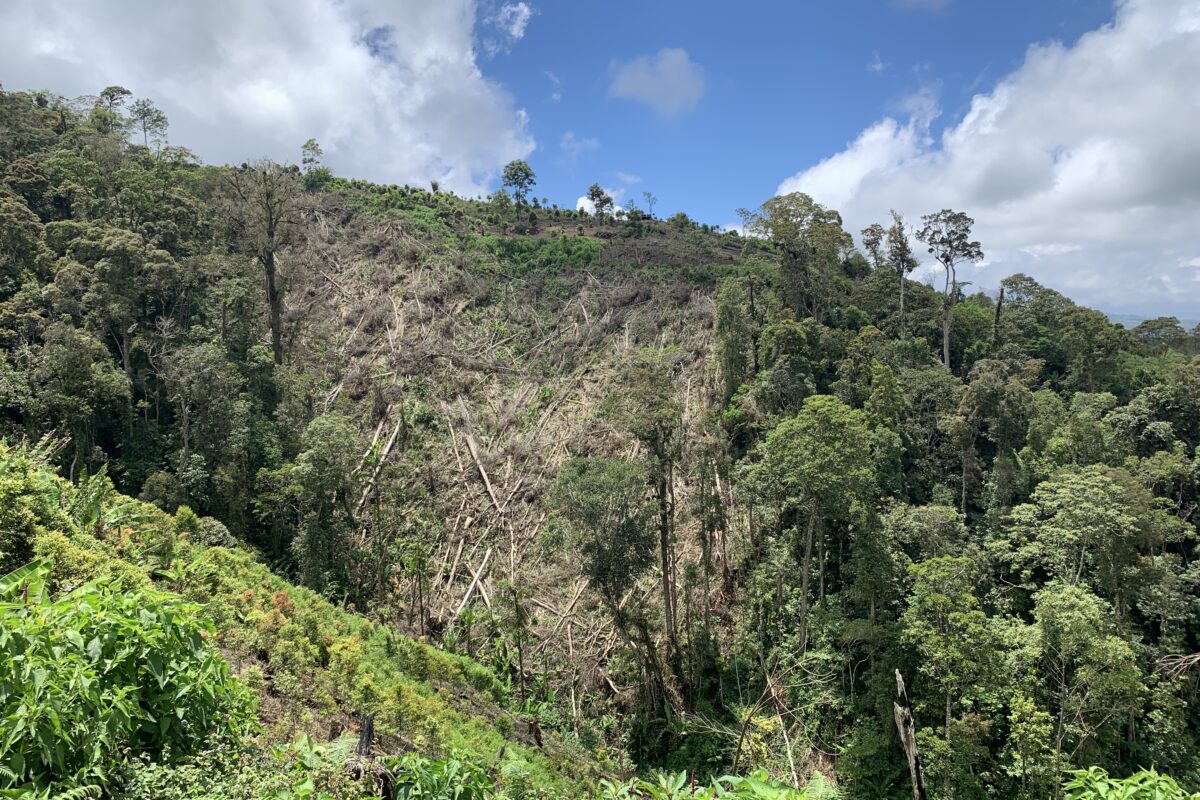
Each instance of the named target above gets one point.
<point>1030,746</point>
<point>872,239</point>
<point>150,120</point>
<point>75,387</point>
<point>900,259</point>
<point>603,501</point>
<point>811,240</point>
<point>947,234</point>
<point>265,206</point>
<point>1090,673</point>
<point>106,115</point>
<point>1090,527</point>
<point>815,468</point>
<point>20,242</point>
<point>648,407</point>
<point>650,201</point>
<point>113,97</point>
<point>306,503</point>
<point>996,405</point>
<point>519,177</point>
<point>1161,334</point>
<point>310,155</point>
<point>947,626</point>
<point>600,199</point>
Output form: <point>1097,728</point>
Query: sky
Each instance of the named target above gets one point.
<point>1068,129</point>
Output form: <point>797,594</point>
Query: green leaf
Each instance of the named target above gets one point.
<point>29,580</point>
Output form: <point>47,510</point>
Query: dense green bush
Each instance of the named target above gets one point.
<point>550,256</point>
<point>1147,784</point>
<point>102,672</point>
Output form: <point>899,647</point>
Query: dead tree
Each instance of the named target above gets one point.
<point>908,738</point>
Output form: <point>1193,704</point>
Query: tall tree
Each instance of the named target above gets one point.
<point>648,407</point>
<point>947,626</point>
<point>150,121</point>
<point>650,201</point>
<point>900,259</point>
<point>600,199</point>
<point>265,208</point>
<point>811,240</point>
<point>815,468</point>
<point>603,501</point>
<point>872,239</point>
<point>519,178</point>
<point>947,235</point>
<point>1089,671</point>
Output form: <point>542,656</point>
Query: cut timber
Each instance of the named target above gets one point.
<point>387,449</point>
<point>474,582</point>
<point>908,738</point>
<point>487,483</point>
<point>487,601</point>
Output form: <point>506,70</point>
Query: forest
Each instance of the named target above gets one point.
<point>312,487</point>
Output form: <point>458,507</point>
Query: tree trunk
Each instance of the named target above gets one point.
<point>664,544</point>
<point>946,333</point>
<point>275,302</point>
<point>808,548</point>
<point>996,319</point>
<point>946,777</point>
<point>184,437</point>
<point>947,302</point>
<point>902,710</point>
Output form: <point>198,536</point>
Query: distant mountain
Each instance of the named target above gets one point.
<point>1131,320</point>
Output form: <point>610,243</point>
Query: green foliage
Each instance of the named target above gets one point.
<point>848,473</point>
<point>1095,784</point>
<point>542,256</point>
<point>756,786</point>
<point>604,501</point>
<point>518,176</point>
<point>102,670</point>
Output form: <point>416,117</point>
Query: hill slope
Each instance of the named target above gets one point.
<point>664,496</point>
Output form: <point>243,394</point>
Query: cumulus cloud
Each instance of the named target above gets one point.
<point>391,89</point>
<point>1081,167</point>
<point>669,81</point>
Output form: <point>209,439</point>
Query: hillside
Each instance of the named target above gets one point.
<point>560,496</point>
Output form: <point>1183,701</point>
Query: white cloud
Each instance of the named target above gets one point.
<point>573,147</point>
<point>628,177</point>
<point>669,81</point>
<point>507,27</point>
<point>1081,167</point>
<point>391,89</point>
<point>877,65</point>
<point>512,19</point>
<point>555,86</point>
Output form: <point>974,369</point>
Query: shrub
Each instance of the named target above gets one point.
<point>101,672</point>
<point>1095,784</point>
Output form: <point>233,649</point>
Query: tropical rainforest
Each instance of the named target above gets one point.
<point>318,488</point>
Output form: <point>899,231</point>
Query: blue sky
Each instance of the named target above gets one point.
<point>785,85</point>
<point>1066,128</point>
